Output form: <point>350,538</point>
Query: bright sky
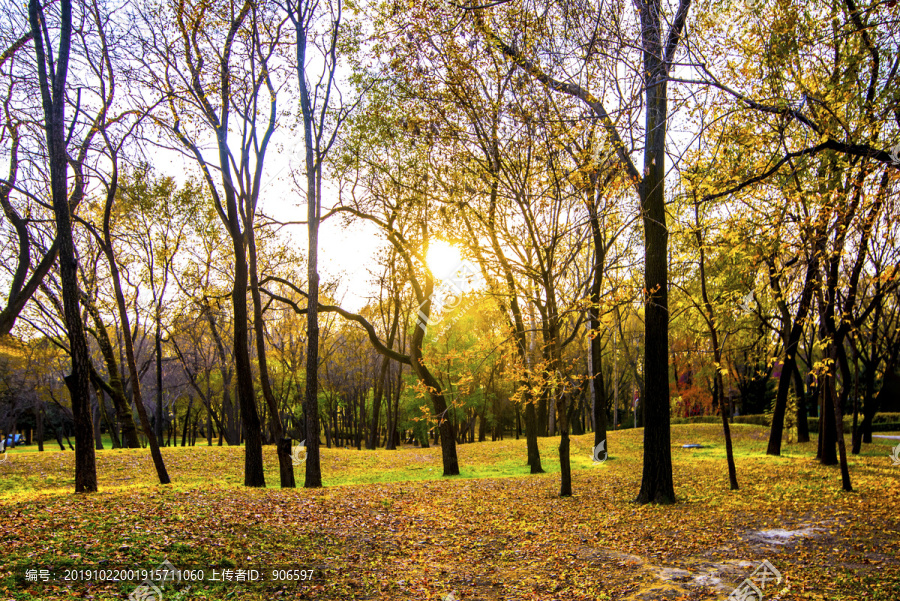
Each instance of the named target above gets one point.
<point>345,254</point>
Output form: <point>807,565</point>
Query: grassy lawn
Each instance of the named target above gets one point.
<point>388,526</point>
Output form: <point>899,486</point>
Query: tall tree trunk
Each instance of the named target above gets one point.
<point>53,92</point>
<point>565,466</point>
<point>598,396</point>
<point>313,207</point>
<point>656,482</point>
<point>251,427</point>
<point>839,425</point>
<point>828,435</point>
<point>126,330</point>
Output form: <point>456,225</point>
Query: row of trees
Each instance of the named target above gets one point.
<point>663,215</point>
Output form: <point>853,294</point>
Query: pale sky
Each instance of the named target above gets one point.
<point>345,255</point>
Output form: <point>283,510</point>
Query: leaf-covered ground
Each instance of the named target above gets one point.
<point>388,526</point>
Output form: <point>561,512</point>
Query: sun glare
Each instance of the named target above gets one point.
<point>443,258</point>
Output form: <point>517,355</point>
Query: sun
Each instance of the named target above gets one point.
<point>443,258</point>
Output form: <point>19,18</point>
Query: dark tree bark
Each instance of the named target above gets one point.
<point>109,251</point>
<point>658,56</point>
<point>827,455</point>
<point>795,332</point>
<point>597,386</point>
<point>234,27</point>
<point>718,386</point>
<point>656,484</point>
<point>39,421</point>
<point>115,388</point>
<point>285,461</point>
<point>252,430</point>
<point>159,389</point>
<point>303,14</point>
<point>187,420</point>
<point>802,423</point>
<point>53,92</point>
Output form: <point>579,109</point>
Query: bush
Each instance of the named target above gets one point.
<point>697,419</point>
<point>757,420</point>
<point>882,422</point>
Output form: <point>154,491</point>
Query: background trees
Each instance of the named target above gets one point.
<point>723,204</point>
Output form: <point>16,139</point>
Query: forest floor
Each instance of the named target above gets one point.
<point>388,526</point>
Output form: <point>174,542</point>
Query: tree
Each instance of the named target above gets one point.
<point>22,286</point>
<point>52,82</point>
<point>317,28</point>
<point>658,55</point>
<point>204,86</point>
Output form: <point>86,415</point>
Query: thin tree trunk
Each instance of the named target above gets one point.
<point>710,318</point>
<point>565,467</point>
<point>802,423</point>
<point>98,435</point>
<point>110,424</point>
<point>159,389</point>
<point>839,428</point>
<point>116,387</point>
<point>39,420</point>
<point>126,334</point>
<point>187,420</point>
<point>285,462</point>
<point>790,357</point>
<point>534,455</point>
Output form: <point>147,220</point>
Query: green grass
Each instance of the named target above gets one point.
<point>52,472</point>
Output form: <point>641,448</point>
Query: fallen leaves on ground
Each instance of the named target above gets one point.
<point>403,532</point>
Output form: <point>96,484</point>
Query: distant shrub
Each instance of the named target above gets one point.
<point>715,419</point>
<point>882,422</point>
<point>757,420</point>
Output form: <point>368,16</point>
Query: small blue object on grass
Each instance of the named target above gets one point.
<point>692,446</point>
